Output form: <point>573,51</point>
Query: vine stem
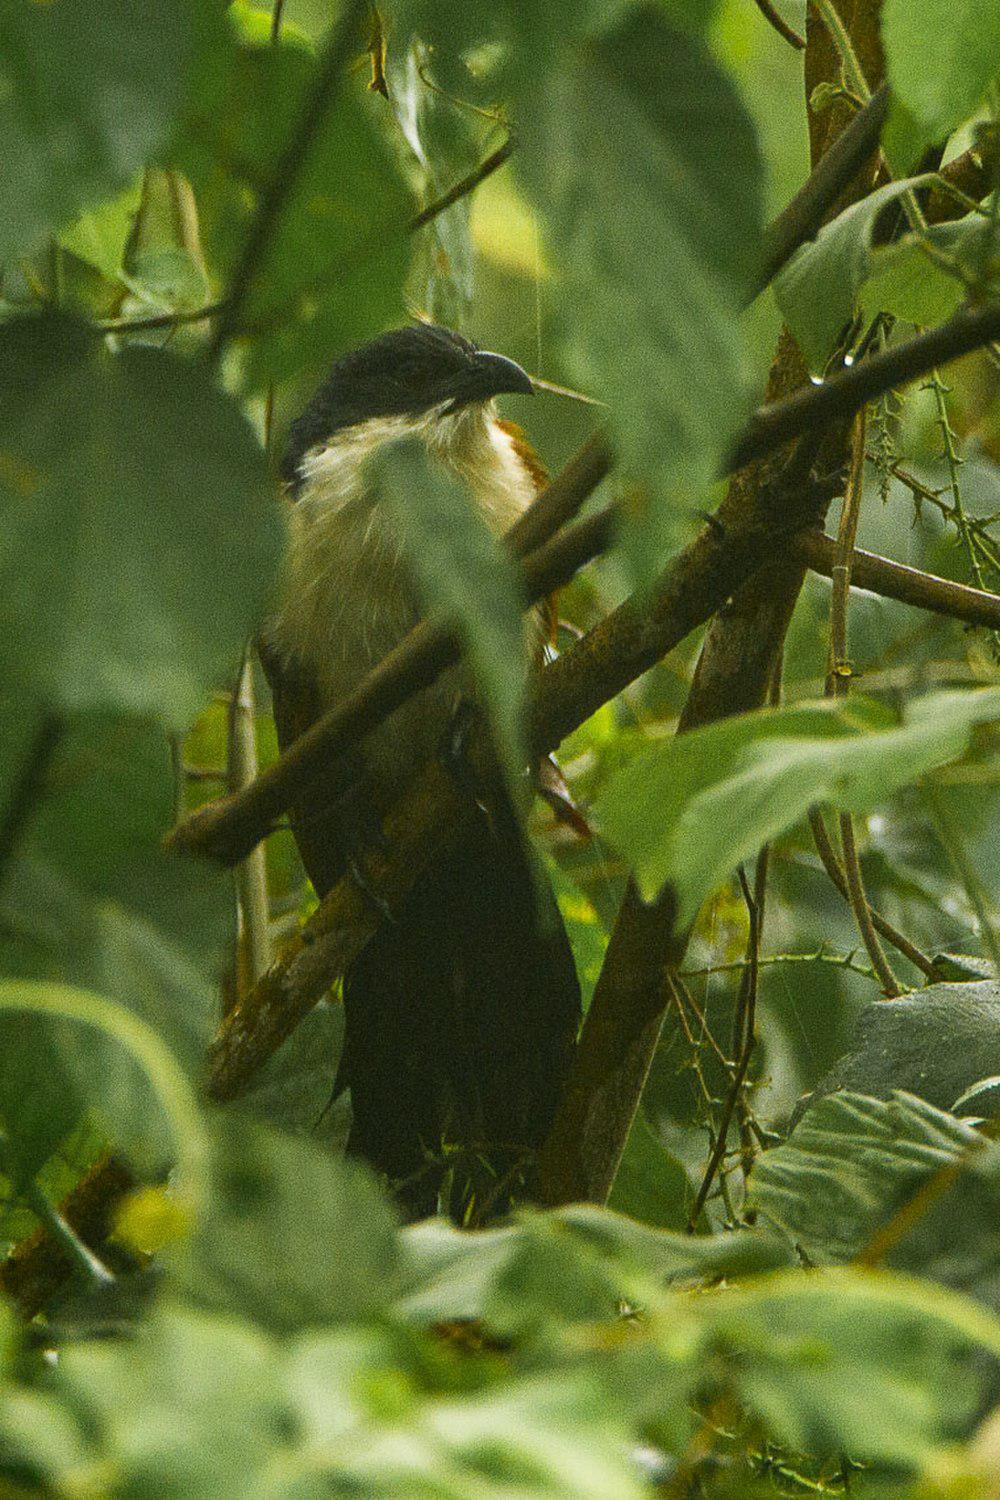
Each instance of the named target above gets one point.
<point>838,686</point>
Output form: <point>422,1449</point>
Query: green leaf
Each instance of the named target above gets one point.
<point>333,271</point>
<point>850,1165</point>
<point>872,1366</point>
<point>942,56</point>
<point>644,163</point>
<point>100,234</point>
<point>818,288</point>
<point>87,96</point>
<point>903,280</point>
<point>294,1237</point>
<point>690,809</point>
<point>651,1184</point>
<point>935,1043</point>
<point>101,1027</point>
<point>138,535</point>
<point>192,1405</point>
<point>462,575</point>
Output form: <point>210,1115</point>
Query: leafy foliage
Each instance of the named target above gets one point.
<point>795,1285</point>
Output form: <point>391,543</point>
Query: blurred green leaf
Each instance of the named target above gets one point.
<point>294,1237</point>
<point>87,97</point>
<point>644,163</point>
<point>462,575</point>
<point>818,288</point>
<point>691,808</point>
<point>942,56</point>
<point>333,271</point>
<point>100,234</point>
<point>138,536</point>
<point>836,1363</point>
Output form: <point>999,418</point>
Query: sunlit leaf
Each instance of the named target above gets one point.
<point>942,56</point>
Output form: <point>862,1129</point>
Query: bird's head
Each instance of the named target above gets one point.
<point>423,381</point>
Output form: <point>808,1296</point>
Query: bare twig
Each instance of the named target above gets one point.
<point>838,685</point>
<point>254,939</point>
<point>892,580</point>
<point>838,877</point>
<point>775,19</point>
<point>467,185</point>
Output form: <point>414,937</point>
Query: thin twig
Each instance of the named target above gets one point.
<point>467,185</point>
<point>156,320</point>
<point>780,25</point>
<point>835,870</point>
<point>343,38</point>
<point>838,686</point>
<point>254,937</point>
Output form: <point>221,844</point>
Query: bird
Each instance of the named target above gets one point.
<point>461,1012</point>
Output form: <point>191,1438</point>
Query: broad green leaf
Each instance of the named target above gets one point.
<point>463,576</point>
<point>454,1274</point>
<point>689,810</point>
<point>942,56</point>
<point>294,1237</point>
<point>644,164</point>
<point>903,280</point>
<point>99,235</point>
<point>192,1405</point>
<point>935,1043</point>
<point>851,1164</point>
<point>101,1026</point>
<point>332,273</point>
<point>875,1366</point>
<point>87,97</point>
<point>294,1088</point>
<point>818,288</point>
<point>138,533</point>
<point>651,1184</point>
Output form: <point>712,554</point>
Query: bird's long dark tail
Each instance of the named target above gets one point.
<point>461,1018</point>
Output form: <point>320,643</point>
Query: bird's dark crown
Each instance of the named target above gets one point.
<point>407,372</point>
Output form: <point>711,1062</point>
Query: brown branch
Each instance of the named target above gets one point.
<point>803,216</point>
<point>343,37</point>
<point>893,580</point>
<point>840,397</point>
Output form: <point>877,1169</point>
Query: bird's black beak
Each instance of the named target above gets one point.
<point>493,374</point>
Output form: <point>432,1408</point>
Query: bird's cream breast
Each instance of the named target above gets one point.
<point>347,597</point>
